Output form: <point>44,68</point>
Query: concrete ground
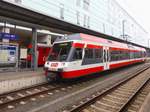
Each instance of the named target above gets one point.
<point>11,81</point>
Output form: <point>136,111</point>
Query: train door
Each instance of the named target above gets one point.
<point>106,58</point>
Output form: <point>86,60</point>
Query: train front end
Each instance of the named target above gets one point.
<point>57,60</point>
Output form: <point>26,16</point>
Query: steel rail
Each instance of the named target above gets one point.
<point>23,89</point>
<point>29,96</point>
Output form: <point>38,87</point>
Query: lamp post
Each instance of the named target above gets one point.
<point>123,28</point>
<point>148,51</point>
<point>148,43</point>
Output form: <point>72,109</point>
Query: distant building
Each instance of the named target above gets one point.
<point>105,16</point>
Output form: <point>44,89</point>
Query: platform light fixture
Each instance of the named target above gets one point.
<point>148,43</point>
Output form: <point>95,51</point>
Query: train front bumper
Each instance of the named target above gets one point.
<point>53,75</point>
<point>53,70</point>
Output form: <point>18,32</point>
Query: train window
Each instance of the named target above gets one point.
<point>88,57</point>
<point>98,55</point>
<point>113,55</point>
<point>108,57</point>
<point>104,55</point>
<point>92,56</point>
<point>89,53</point>
<point>77,54</point>
<point>136,54</point>
<point>60,51</point>
<point>144,54</point>
<point>131,55</point>
<point>116,55</point>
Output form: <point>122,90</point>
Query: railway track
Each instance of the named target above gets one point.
<point>10,99</point>
<point>118,98</point>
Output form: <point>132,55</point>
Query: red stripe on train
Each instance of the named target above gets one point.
<point>94,46</point>
<point>113,48</point>
<point>79,45</point>
<point>83,72</point>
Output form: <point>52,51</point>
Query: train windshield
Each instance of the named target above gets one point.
<point>60,51</point>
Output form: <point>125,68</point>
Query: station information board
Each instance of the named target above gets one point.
<point>8,53</point>
<point>8,36</point>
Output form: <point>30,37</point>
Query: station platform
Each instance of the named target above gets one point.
<point>11,81</point>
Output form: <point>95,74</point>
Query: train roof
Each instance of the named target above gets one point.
<point>90,38</point>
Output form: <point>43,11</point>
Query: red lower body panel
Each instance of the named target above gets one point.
<point>112,66</point>
<point>83,72</point>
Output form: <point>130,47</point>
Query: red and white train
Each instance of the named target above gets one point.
<point>42,51</point>
<point>81,54</point>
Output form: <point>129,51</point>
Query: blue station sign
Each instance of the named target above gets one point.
<point>9,36</point>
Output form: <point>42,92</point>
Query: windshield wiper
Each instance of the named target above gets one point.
<point>58,57</point>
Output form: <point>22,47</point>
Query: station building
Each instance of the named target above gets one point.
<point>104,16</point>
